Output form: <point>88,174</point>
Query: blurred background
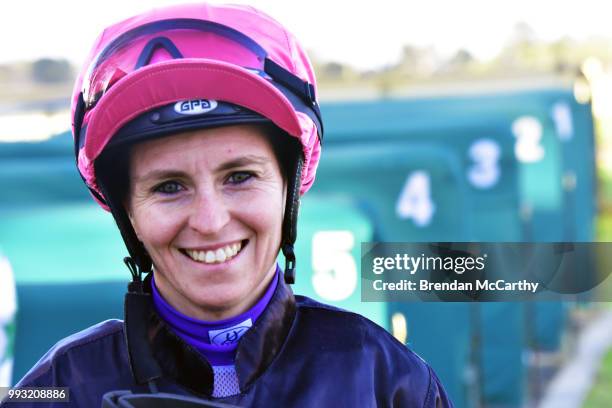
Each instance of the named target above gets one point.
<point>445,121</point>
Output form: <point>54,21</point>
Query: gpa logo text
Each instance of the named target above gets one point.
<point>195,106</point>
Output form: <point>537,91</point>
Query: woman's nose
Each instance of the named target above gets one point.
<point>209,213</point>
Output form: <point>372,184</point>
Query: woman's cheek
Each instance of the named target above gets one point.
<point>156,224</point>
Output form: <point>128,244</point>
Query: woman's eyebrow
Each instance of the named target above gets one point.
<point>230,164</point>
<point>243,161</point>
<point>159,174</point>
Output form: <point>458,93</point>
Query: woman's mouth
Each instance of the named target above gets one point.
<point>218,255</point>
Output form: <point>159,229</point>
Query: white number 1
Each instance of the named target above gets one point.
<point>562,116</point>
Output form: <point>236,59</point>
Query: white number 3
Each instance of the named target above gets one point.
<point>485,172</point>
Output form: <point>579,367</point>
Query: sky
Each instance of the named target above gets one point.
<point>364,34</point>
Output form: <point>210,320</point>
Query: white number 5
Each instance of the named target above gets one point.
<point>335,270</point>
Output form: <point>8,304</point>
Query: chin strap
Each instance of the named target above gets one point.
<point>289,255</point>
<point>135,286</point>
<point>290,222</point>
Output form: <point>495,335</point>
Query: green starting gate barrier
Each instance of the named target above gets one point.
<point>554,148</point>
<point>548,137</point>
<point>488,172</point>
<point>554,145</point>
<point>410,191</point>
<point>65,252</point>
<point>330,232</point>
<point>484,149</point>
<point>68,270</point>
<point>38,174</point>
<point>557,188</point>
<point>550,132</point>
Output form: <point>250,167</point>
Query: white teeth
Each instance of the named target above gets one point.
<point>220,254</point>
<point>217,256</point>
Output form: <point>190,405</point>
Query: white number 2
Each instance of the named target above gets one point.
<point>528,132</point>
<point>335,270</point>
<point>415,199</point>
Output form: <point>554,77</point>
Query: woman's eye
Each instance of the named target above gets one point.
<point>168,187</point>
<point>239,177</point>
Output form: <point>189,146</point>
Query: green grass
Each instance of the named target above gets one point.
<point>603,227</point>
<point>601,393</point>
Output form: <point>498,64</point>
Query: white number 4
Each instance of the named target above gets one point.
<point>415,199</point>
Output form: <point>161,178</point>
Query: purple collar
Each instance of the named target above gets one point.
<point>216,340</point>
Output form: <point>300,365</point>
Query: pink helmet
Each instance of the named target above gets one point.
<point>186,56</point>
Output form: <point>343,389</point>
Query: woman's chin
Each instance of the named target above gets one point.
<point>219,303</point>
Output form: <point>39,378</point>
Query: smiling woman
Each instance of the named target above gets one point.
<point>198,128</point>
<point>212,220</point>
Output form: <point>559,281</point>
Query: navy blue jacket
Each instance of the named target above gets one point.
<point>299,353</point>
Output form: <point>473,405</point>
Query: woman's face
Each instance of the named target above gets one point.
<point>208,206</point>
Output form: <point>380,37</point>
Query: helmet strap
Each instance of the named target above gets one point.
<point>289,232</point>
